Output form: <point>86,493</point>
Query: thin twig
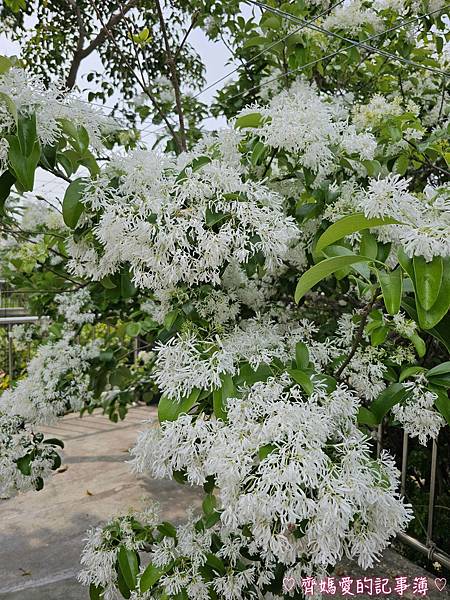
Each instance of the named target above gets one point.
<point>186,35</point>
<point>357,339</point>
<point>142,84</point>
<point>81,52</point>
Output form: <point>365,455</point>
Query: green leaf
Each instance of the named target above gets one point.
<point>83,139</point>
<point>348,225</point>
<point>211,519</point>
<point>221,396</point>
<point>216,563</point>
<point>301,355</point>
<point>26,132</point>
<point>24,167</point>
<point>167,529</point>
<point>127,287</point>
<point>133,329</point>
<point>388,398</point>
<point>441,369</point>
<point>212,218</point>
<point>256,40</point>
<point>442,403</point>
<point>369,245</point>
<point>406,263</point>
<point>324,269</point>
<point>373,167</point>
<point>264,451</point>
<point>441,331</point>
<point>108,283</point>
<point>95,593</point>
<point>129,566</point>
<point>121,584</point>
<point>5,64</point>
<point>170,410</point>
<point>419,344</point>
<point>7,180</point>
<point>257,153</point>
<point>366,417</point>
<point>151,575</point>
<point>378,335</point>
<point>209,504</point>
<point>428,279</point>
<point>72,205</point>
<point>442,381</point>
<point>410,371</point>
<point>170,319</point>
<point>336,250</point>
<point>401,164</point>
<point>430,318</point>
<point>303,379</point>
<point>272,22</point>
<point>24,464</point>
<point>249,120</point>
<point>391,287</point>
<point>54,442</point>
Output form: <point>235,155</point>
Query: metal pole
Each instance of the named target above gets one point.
<point>379,439</point>
<point>10,354</point>
<point>432,493</point>
<point>404,463</point>
<point>432,553</point>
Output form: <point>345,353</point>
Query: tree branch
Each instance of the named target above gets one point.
<point>186,35</point>
<point>142,84</point>
<point>174,77</point>
<point>81,52</point>
<point>71,78</point>
<point>357,339</point>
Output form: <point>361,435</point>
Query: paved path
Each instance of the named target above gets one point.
<point>41,533</point>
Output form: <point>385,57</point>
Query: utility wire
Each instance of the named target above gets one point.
<point>314,27</point>
<point>339,51</point>
<point>266,49</point>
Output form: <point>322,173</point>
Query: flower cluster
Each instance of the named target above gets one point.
<point>424,219</point>
<point>417,413</point>
<point>295,471</point>
<point>174,227</point>
<point>315,135</point>
<point>26,459</point>
<point>50,105</point>
<point>57,380</point>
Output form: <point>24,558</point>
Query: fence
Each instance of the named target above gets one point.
<point>13,311</point>
<point>428,548</point>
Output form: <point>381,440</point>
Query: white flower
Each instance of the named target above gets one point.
<point>175,230</point>
<point>417,413</point>
<point>311,133</point>
<point>425,221</point>
<point>29,94</point>
<point>317,473</point>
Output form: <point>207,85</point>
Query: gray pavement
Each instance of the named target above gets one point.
<point>41,533</point>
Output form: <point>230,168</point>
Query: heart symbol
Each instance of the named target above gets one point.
<point>440,583</point>
<point>289,584</point>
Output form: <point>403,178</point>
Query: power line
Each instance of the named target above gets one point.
<point>314,27</point>
<point>336,52</point>
<point>266,49</point>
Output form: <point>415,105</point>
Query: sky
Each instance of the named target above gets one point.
<point>218,62</point>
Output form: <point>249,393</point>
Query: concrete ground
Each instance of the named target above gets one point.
<point>41,533</point>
